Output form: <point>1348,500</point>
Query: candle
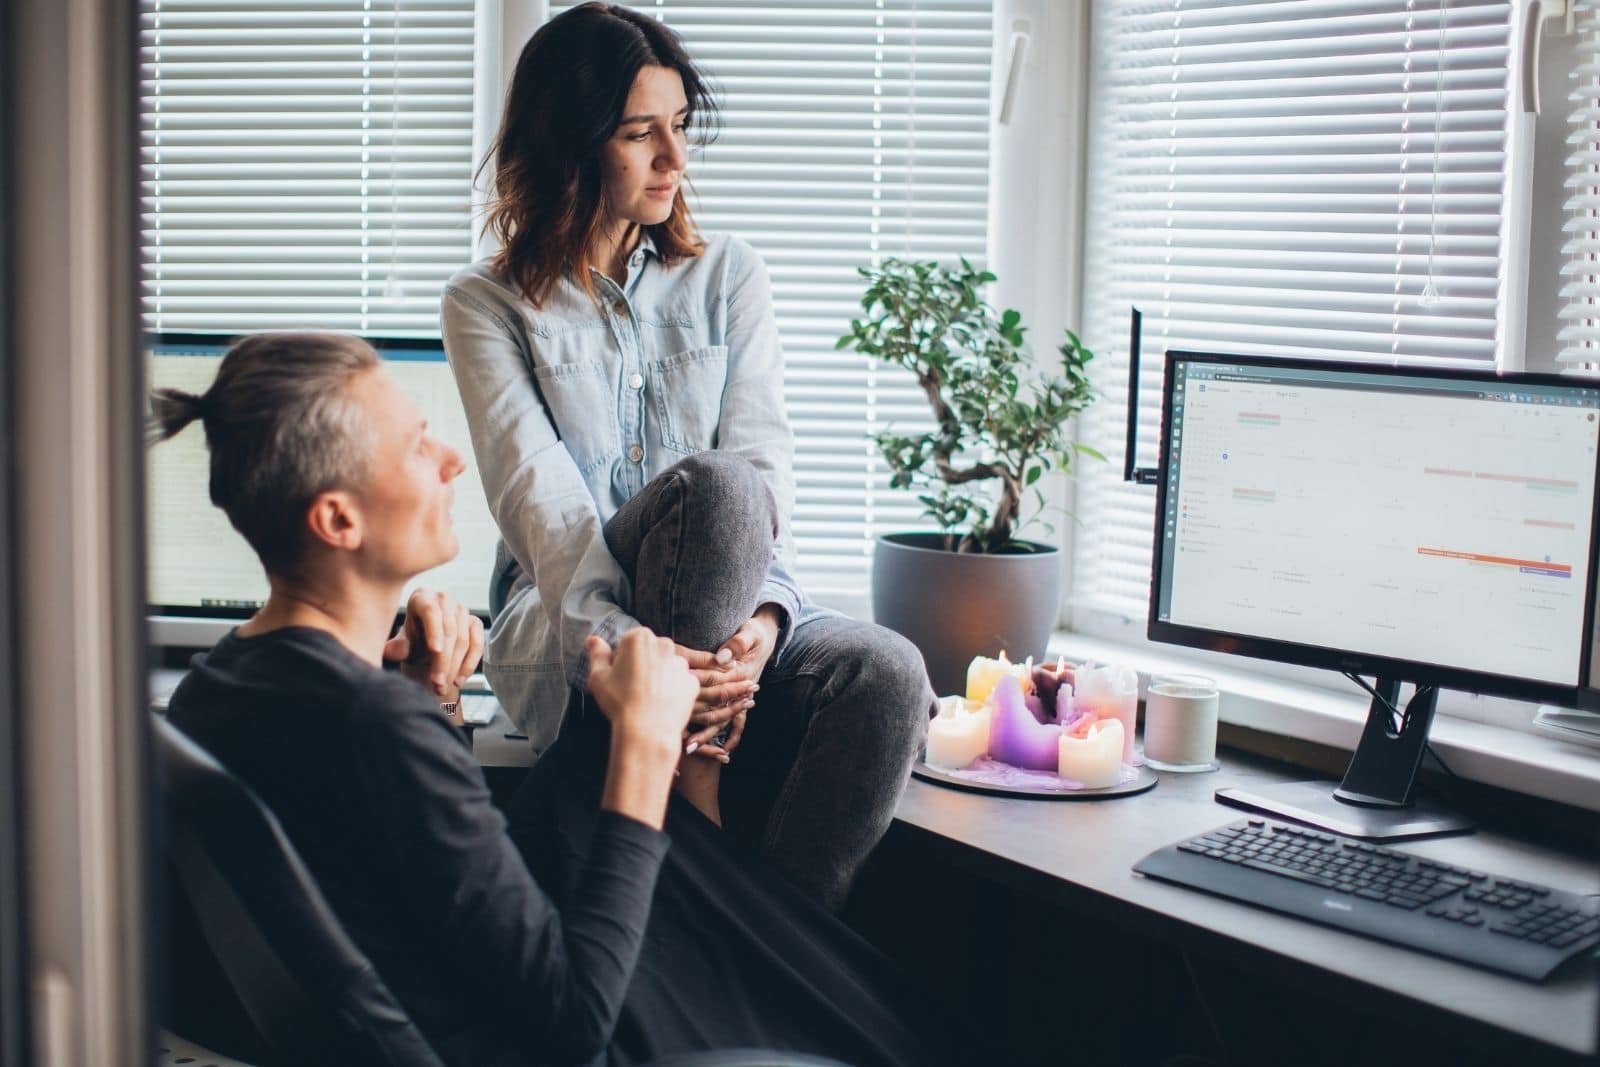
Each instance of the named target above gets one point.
<point>1047,679</point>
<point>1111,692</point>
<point>984,673</point>
<point>1095,760</point>
<point>1015,736</point>
<point>1077,721</point>
<point>958,735</point>
<point>1180,724</point>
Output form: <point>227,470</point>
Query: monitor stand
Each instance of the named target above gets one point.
<point>1376,800</point>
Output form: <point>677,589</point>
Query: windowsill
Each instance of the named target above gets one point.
<point>1512,759</point>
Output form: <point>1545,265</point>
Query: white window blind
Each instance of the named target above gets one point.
<point>852,130</point>
<point>306,163</point>
<point>1579,332</point>
<point>1306,178</point>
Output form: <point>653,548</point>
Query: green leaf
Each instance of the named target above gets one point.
<point>991,404</point>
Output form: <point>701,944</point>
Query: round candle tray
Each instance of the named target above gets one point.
<point>1135,780</point>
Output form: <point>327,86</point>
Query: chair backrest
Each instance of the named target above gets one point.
<point>310,992</point>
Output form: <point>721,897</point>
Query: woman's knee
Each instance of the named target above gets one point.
<point>897,676</point>
<point>726,483</point>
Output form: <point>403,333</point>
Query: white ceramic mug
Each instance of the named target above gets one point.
<point>1180,724</point>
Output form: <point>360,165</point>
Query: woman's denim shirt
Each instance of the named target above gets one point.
<point>575,405</point>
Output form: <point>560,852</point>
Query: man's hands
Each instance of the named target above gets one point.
<point>439,645</point>
<point>646,691</point>
<point>729,679</point>
<point>643,687</point>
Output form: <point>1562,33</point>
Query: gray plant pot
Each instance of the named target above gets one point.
<point>954,606</point>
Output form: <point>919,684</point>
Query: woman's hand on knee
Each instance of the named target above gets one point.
<point>730,677</point>
<point>753,643</point>
<point>724,689</point>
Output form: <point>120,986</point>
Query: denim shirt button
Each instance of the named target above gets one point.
<point>635,380</point>
<point>636,454</point>
<point>622,307</point>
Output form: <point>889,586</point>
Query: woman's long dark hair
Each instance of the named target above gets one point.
<point>567,95</point>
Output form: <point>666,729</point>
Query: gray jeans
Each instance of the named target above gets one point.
<point>843,707</point>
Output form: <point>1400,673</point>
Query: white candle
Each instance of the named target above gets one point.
<point>1095,760</point>
<point>1180,724</point>
<point>1111,692</point>
<point>958,735</point>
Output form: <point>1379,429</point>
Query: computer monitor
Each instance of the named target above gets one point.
<point>1416,525</point>
<point>202,576</point>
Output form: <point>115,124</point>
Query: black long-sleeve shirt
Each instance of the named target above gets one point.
<point>390,812</point>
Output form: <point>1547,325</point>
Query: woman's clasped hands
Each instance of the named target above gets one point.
<point>729,679</point>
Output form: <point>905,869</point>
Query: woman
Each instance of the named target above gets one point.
<point>623,382</point>
<point>328,471</point>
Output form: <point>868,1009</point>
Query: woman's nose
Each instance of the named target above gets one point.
<point>673,157</point>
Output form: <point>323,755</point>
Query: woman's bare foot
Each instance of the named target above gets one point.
<point>698,781</point>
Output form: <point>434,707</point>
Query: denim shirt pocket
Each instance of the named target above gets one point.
<point>583,406</point>
<point>688,395</point>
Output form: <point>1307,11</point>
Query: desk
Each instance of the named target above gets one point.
<point>1080,855</point>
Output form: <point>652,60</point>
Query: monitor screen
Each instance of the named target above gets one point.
<point>199,566</point>
<point>1435,526</point>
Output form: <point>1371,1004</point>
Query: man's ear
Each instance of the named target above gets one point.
<point>334,520</point>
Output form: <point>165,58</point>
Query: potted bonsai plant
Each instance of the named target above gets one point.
<point>975,586</point>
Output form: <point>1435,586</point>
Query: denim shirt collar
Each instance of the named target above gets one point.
<point>642,253</point>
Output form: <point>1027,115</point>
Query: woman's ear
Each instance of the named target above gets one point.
<point>334,520</point>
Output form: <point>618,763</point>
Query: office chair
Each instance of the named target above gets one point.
<point>310,993</point>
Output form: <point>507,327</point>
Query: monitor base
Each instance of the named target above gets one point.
<point>1313,803</point>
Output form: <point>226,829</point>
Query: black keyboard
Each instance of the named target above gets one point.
<point>1501,924</point>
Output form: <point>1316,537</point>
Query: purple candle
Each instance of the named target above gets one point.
<point>1015,736</point>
